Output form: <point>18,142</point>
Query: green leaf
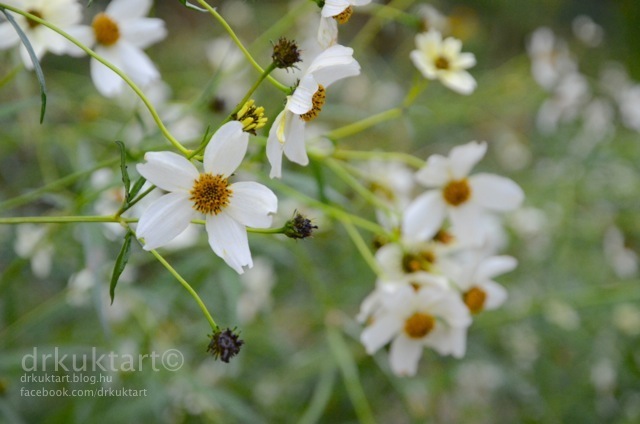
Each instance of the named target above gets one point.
<point>137,186</point>
<point>121,263</point>
<point>36,65</point>
<point>192,6</point>
<point>123,169</point>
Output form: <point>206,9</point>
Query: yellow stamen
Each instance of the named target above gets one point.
<point>210,194</point>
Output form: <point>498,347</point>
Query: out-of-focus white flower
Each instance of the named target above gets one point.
<point>257,284</point>
<point>550,58</point>
<point>65,14</point>
<point>433,19</point>
<point>626,318</point>
<point>79,286</point>
<point>603,375</point>
<point>629,103</point>
<point>571,93</point>
<point>335,12</point>
<point>31,243</point>
<point>120,34</point>
<point>442,60</point>
<point>227,208</point>
<point>562,315</point>
<point>287,134</point>
<point>411,319</point>
<point>587,31</point>
<point>623,261</point>
<point>458,196</point>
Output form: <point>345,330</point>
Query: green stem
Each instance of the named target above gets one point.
<point>362,247</point>
<point>121,74</point>
<point>238,43</point>
<point>188,287</point>
<point>371,155</point>
<point>11,75</point>
<point>359,126</point>
<point>129,205</point>
<point>63,219</point>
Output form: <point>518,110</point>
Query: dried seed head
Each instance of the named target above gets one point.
<point>285,53</point>
<point>224,344</point>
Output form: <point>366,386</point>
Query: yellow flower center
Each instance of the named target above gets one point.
<point>414,262</point>
<point>444,237</point>
<point>106,29</point>
<point>344,16</point>
<point>457,192</point>
<point>31,22</point>
<point>419,325</point>
<point>474,299</point>
<point>442,63</point>
<point>318,101</point>
<point>210,194</point>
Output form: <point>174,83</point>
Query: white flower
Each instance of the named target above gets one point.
<point>31,243</point>
<point>287,132</point>
<point>228,208</point>
<point>64,14</point>
<point>119,35</point>
<point>335,12</point>
<point>455,194</point>
<point>441,59</point>
<point>473,276</point>
<point>550,58</point>
<point>621,258</point>
<point>430,316</point>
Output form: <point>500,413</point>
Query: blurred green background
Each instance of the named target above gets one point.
<point>564,348</point>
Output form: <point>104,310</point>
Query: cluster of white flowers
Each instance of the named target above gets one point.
<point>119,34</point>
<point>440,271</point>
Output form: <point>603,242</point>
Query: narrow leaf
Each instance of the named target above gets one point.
<point>123,169</point>
<point>36,65</point>
<point>192,6</point>
<point>121,263</point>
<point>136,187</point>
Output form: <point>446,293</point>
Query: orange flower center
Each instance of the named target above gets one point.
<point>318,100</point>
<point>419,325</point>
<point>344,16</point>
<point>210,194</point>
<point>442,63</point>
<point>474,299</point>
<point>457,192</point>
<point>106,29</point>
<point>31,22</point>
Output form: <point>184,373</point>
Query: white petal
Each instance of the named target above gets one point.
<point>136,64</point>
<point>252,204</point>
<point>85,35</point>
<point>496,295</point>
<point>424,216</point>
<point>295,148</point>
<point>439,339</point>
<point>380,332</point>
<point>275,143</point>
<point>226,149</point>
<point>424,65</point>
<point>169,171</point>
<point>143,32</point>
<point>466,223</point>
<point>334,7</point>
<point>124,10</point>
<point>458,342</point>
<point>464,158</point>
<point>301,101</point>
<point>165,219</point>
<point>459,81</point>
<point>107,82</point>
<point>404,355</point>
<point>228,239</point>
<point>496,192</point>
<point>464,61</point>
<point>451,47</point>
<point>494,266</point>
<point>333,64</point>
<point>327,32</point>
<point>435,173</point>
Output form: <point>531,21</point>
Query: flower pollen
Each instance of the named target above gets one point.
<point>31,22</point>
<point>457,192</point>
<point>442,63</point>
<point>419,325</point>
<point>210,194</point>
<point>474,299</point>
<point>318,100</point>
<point>251,117</point>
<point>344,16</point>
<point>106,29</point>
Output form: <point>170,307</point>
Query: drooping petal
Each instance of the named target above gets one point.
<point>107,82</point>
<point>435,173</point>
<point>424,216</point>
<point>275,143</point>
<point>252,204</point>
<point>301,101</point>
<point>228,239</point>
<point>295,148</point>
<point>144,32</point>
<point>380,332</point>
<point>496,192</point>
<point>495,265</point>
<point>126,10</point>
<point>496,295</point>
<point>226,149</point>
<point>333,64</point>
<point>165,219</point>
<point>404,355</point>
<point>464,158</point>
<point>327,32</point>
<point>169,171</point>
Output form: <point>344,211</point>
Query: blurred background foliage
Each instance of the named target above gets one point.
<point>564,348</point>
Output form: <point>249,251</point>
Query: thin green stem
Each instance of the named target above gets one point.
<point>129,205</point>
<point>188,287</point>
<point>362,247</point>
<point>359,126</point>
<point>241,46</point>
<point>63,219</point>
<point>121,74</point>
<point>372,155</point>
